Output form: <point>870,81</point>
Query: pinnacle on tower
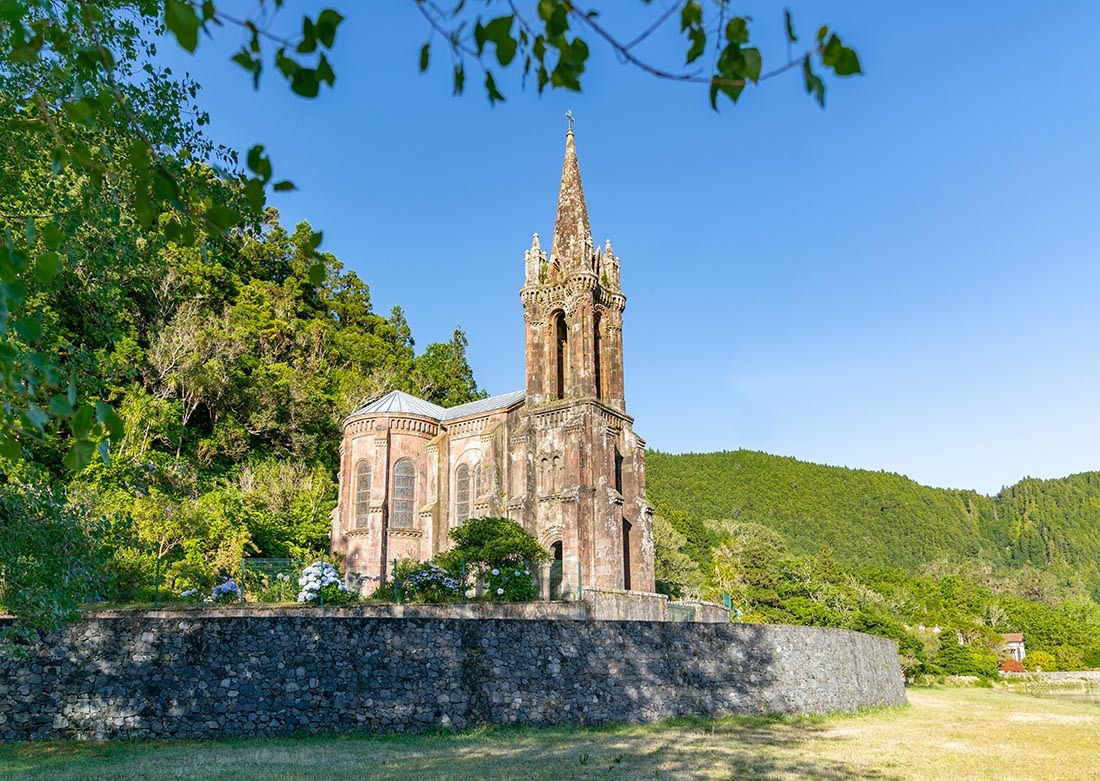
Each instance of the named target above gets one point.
<point>571,227</point>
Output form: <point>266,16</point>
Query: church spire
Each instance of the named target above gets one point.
<point>572,231</point>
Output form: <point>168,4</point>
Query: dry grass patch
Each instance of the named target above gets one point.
<point>943,734</point>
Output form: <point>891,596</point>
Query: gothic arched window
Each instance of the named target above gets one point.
<point>404,494</point>
<point>362,493</point>
<point>462,493</point>
<point>561,353</point>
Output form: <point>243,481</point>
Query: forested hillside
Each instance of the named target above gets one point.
<point>231,373</point>
<point>796,542</point>
<point>883,518</point>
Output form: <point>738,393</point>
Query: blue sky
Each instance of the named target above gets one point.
<point>908,280</point>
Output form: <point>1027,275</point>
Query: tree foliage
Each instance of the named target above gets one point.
<point>806,544</point>
<point>487,543</point>
<point>551,40</point>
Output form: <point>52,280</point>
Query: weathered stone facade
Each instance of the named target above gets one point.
<point>210,677</point>
<point>560,457</point>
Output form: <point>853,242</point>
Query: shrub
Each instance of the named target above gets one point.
<point>499,553</point>
<point>1069,657</point>
<point>1010,665</point>
<point>497,543</point>
<point>430,583</point>
<point>1039,660</point>
<point>321,583</point>
<point>514,584</point>
<point>226,591</point>
<point>955,659</point>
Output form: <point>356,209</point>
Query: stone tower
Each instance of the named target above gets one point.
<point>585,464</point>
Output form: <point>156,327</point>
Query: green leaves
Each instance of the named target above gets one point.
<point>182,21</point>
<point>94,428</point>
<point>544,47</point>
<point>789,25</point>
<point>47,267</point>
<point>326,25</point>
<point>736,66</point>
<point>813,83</point>
<point>222,217</point>
<point>843,60</point>
<point>691,21</point>
<point>491,88</point>
<point>498,32</point>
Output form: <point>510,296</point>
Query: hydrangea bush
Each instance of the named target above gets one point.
<point>321,583</point>
<point>511,584</point>
<point>431,583</point>
<point>226,591</point>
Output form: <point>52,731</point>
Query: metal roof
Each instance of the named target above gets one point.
<point>400,402</point>
<point>484,405</point>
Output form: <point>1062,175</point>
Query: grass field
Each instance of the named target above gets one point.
<point>942,734</point>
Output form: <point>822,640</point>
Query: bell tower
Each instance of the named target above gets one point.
<point>584,495</point>
<point>573,306</point>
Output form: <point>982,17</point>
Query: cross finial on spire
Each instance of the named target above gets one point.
<point>569,116</point>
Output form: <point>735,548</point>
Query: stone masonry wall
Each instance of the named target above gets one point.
<point>206,677</point>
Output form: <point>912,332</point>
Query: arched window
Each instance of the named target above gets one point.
<point>476,489</point>
<point>561,354</point>
<point>404,494</point>
<point>462,493</point>
<point>597,351</point>
<point>557,473</point>
<point>544,477</point>
<point>362,494</point>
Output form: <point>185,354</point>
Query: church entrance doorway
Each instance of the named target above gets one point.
<point>556,571</point>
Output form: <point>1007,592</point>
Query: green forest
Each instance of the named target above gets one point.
<point>795,542</point>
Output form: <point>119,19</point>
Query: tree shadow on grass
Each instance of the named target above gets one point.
<point>720,748</point>
<point>682,749</point>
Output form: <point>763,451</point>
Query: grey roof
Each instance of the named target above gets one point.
<point>484,405</point>
<point>401,402</point>
<point>398,401</point>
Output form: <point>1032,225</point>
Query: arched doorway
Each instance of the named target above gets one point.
<point>556,571</point>
<point>626,554</point>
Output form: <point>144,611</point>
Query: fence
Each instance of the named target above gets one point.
<point>270,580</point>
<point>680,612</point>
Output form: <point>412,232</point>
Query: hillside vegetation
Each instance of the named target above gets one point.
<point>874,551</point>
<point>882,518</point>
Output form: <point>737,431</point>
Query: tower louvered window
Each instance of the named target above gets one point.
<point>462,493</point>
<point>597,354</point>
<point>362,494</point>
<point>561,354</point>
<point>404,494</point>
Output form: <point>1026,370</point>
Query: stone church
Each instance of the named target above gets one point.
<point>560,457</point>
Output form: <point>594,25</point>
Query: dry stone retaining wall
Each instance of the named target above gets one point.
<point>216,676</point>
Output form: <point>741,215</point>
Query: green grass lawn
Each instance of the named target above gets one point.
<point>943,734</point>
